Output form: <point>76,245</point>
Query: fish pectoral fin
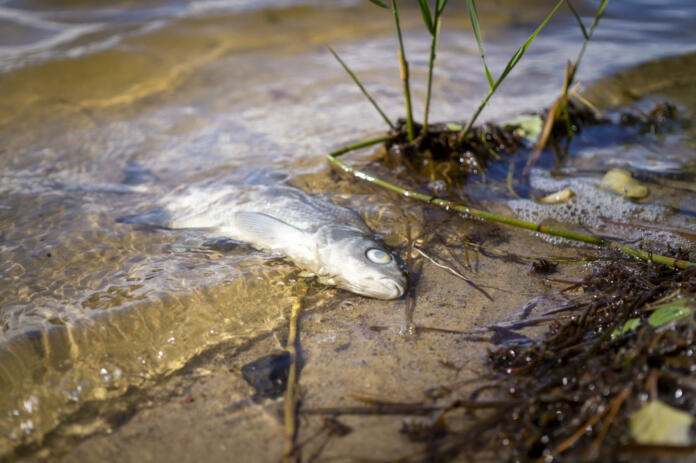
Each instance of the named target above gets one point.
<point>271,231</point>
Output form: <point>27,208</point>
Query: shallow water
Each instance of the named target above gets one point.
<point>105,108</point>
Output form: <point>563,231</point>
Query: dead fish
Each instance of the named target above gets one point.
<point>328,241</point>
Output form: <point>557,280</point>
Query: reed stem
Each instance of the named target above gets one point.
<point>403,68</point>
<point>516,57</point>
<point>431,65</point>
<point>470,211</point>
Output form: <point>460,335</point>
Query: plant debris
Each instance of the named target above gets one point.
<point>620,181</point>
<point>579,371</point>
<point>440,156</point>
<point>593,388</point>
<point>659,424</point>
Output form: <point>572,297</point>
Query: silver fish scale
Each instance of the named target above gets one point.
<point>302,211</point>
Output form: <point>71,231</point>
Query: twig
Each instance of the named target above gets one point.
<point>453,272</point>
<point>613,410</point>
<point>563,446</point>
<point>511,171</point>
<point>291,392</point>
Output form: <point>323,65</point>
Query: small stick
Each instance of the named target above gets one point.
<point>453,272</point>
<point>511,171</point>
<point>563,446</point>
<point>613,410</point>
<point>291,391</point>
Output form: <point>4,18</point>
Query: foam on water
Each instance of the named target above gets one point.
<point>592,207</point>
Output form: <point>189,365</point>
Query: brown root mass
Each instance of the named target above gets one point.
<point>438,154</point>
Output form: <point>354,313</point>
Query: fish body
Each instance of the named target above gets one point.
<point>322,238</point>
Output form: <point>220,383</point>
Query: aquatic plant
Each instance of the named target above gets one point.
<point>559,108</point>
<point>516,57</point>
<point>462,135</point>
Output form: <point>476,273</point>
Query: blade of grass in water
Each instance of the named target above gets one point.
<point>427,17</point>
<point>579,20</point>
<point>403,68</point>
<point>360,86</point>
<point>473,16</point>
<point>648,256</point>
<point>598,14</point>
<point>440,6</point>
<point>510,65</point>
<point>380,4</point>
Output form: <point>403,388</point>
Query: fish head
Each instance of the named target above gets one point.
<point>356,262</point>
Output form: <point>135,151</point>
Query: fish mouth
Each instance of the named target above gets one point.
<point>387,289</point>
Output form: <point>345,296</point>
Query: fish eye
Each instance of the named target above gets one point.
<point>378,256</point>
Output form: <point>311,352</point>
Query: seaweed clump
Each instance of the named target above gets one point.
<point>577,388</point>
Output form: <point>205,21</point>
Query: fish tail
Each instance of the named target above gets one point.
<point>157,217</point>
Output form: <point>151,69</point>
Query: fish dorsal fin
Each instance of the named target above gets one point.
<point>267,230</point>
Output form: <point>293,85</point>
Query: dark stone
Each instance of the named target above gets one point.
<point>268,375</point>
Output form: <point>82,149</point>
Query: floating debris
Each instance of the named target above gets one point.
<point>667,313</point>
<point>559,197</point>
<point>620,181</point>
<point>529,126</point>
<point>659,424</point>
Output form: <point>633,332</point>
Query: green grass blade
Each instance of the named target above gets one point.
<point>577,18</point>
<point>357,82</point>
<point>380,4</point>
<point>473,16</point>
<point>598,14</point>
<point>404,73</point>
<point>431,65</point>
<point>427,17</point>
<point>510,65</point>
<point>440,6</point>
<point>520,52</point>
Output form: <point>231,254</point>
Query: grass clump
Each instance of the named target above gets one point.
<point>454,150</point>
